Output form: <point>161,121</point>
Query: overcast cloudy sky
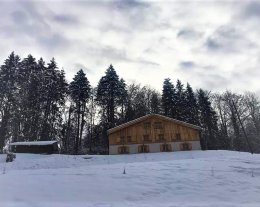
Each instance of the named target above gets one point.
<point>211,44</point>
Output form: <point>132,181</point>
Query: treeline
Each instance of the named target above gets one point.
<point>229,108</point>
<point>37,103</point>
<point>32,95</point>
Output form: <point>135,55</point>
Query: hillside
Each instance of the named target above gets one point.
<point>195,178</point>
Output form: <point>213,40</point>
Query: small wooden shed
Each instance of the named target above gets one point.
<point>37,147</point>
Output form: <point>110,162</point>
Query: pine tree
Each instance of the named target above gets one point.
<point>108,96</point>
<point>168,94</point>
<point>53,92</point>
<point>79,90</point>
<point>179,101</point>
<point>132,91</point>
<point>122,101</point>
<point>208,121</point>
<point>8,94</point>
<point>29,93</point>
<point>191,106</point>
<point>155,103</point>
<point>30,97</point>
<point>141,102</point>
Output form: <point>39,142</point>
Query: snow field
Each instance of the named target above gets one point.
<point>195,178</point>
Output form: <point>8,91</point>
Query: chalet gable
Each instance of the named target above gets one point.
<point>135,121</point>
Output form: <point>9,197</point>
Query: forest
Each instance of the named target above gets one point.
<point>38,103</point>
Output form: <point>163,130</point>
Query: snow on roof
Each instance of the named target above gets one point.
<point>34,143</point>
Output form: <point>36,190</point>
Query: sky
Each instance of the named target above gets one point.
<point>213,45</point>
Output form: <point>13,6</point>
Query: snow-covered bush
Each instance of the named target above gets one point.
<point>5,149</point>
<point>10,157</point>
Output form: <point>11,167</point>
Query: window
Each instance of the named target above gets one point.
<point>178,136</point>
<point>188,133</point>
<point>143,148</point>
<point>166,148</point>
<point>147,125</point>
<point>146,137</point>
<point>161,137</point>
<point>120,139</point>
<point>123,150</point>
<point>172,137</point>
<point>129,139</point>
<point>158,125</point>
<point>185,146</point>
<point>122,133</point>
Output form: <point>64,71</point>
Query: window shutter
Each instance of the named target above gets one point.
<point>118,139</point>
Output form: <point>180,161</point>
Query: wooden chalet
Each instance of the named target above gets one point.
<point>153,133</point>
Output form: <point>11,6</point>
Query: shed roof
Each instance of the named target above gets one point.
<point>34,143</point>
<point>149,116</point>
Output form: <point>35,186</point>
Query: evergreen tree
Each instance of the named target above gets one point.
<point>132,91</point>
<point>29,98</point>
<point>53,91</point>
<point>122,101</point>
<point>191,106</point>
<point>155,103</point>
<point>108,96</point>
<point>79,90</point>
<point>130,113</point>
<point>168,94</point>
<point>141,102</point>
<point>208,121</point>
<point>179,102</point>
<point>8,94</point>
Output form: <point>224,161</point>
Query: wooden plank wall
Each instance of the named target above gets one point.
<point>134,134</point>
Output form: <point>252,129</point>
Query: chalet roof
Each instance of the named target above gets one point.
<point>149,116</point>
<point>34,143</point>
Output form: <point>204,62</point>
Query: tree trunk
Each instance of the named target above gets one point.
<point>44,131</point>
<point>91,125</point>
<point>68,130</point>
<point>82,124</point>
<point>76,148</point>
<point>3,128</point>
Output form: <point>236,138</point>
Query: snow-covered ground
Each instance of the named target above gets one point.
<point>195,178</point>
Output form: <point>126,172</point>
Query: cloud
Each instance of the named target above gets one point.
<point>189,34</point>
<point>53,41</point>
<point>206,44</point>
<point>213,81</point>
<point>251,10</point>
<point>130,4</point>
<point>65,19</point>
<point>228,39</point>
<point>19,17</point>
<point>146,62</point>
<point>187,64</point>
<point>79,66</point>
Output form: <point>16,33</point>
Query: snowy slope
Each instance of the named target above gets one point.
<point>196,178</point>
